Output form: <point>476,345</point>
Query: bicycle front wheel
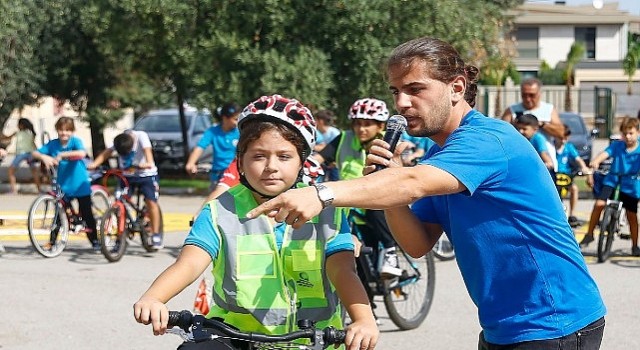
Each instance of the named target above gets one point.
<point>607,232</point>
<point>409,296</point>
<point>146,230</point>
<point>48,226</point>
<point>99,203</point>
<point>113,242</point>
<point>443,250</point>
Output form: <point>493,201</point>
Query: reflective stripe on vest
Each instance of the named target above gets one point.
<point>350,157</point>
<point>261,289</point>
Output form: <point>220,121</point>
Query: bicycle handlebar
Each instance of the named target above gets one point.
<point>320,338</point>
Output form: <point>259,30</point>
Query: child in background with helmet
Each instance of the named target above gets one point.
<point>349,151</point>
<point>263,264</point>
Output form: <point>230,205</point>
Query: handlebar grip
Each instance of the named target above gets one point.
<point>334,336</point>
<point>182,319</point>
<point>366,250</point>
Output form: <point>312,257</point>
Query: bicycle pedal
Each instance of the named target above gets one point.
<point>625,236</point>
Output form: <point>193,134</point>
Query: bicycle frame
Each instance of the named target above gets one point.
<point>123,201</point>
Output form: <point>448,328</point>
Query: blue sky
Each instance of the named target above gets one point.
<point>631,6</point>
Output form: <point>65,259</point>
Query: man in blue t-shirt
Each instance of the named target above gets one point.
<point>223,138</point>
<point>483,185</point>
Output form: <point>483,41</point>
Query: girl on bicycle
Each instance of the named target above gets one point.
<point>25,144</point>
<point>266,274</point>
<point>67,152</point>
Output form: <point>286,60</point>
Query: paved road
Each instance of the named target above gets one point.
<point>80,301</point>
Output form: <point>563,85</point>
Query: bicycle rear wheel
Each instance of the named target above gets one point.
<point>409,296</point>
<point>113,243</point>
<point>607,233</point>
<point>48,226</point>
<point>443,250</point>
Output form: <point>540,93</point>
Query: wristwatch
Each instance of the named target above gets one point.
<point>325,194</point>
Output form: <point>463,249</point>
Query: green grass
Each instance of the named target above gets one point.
<point>197,184</point>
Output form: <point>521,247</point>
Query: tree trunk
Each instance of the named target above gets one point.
<point>183,126</point>
<point>97,138</point>
<point>567,98</point>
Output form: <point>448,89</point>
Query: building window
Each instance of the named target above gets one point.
<point>587,35</point>
<point>527,39</point>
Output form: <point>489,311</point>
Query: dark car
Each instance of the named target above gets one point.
<point>581,136</point>
<point>163,127</point>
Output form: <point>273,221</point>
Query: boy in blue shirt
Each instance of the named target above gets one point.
<point>223,138</point>
<point>67,152</point>
<point>527,125</point>
<point>568,157</point>
<point>626,161</point>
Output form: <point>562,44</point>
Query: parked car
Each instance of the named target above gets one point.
<point>163,127</point>
<point>581,136</point>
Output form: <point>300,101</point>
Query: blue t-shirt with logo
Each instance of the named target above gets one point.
<point>566,158</point>
<point>625,163</point>
<point>73,177</point>
<point>223,144</point>
<point>518,256</point>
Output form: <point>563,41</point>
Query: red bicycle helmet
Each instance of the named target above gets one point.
<point>283,110</point>
<point>369,108</point>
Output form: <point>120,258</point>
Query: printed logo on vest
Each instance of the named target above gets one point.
<point>303,280</point>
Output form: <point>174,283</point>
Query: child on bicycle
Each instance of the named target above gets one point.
<point>25,145</point>
<point>568,157</point>
<point>67,152</point>
<point>135,158</point>
<point>349,150</point>
<point>626,163</point>
<point>267,274</point>
<point>527,125</point>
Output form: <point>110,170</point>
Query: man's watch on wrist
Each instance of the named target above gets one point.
<point>325,194</point>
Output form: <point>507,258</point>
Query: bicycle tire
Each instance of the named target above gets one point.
<point>607,232</point>
<point>145,233</point>
<point>409,302</point>
<point>48,235</point>
<point>113,243</point>
<point>443,249</point>
<point>100,203</point>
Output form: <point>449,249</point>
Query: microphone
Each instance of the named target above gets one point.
<point>395,127</point>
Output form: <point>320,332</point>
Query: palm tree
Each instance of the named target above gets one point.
<point>575,55</point>
<point>630,64</point>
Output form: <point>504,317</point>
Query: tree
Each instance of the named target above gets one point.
<point>631,61</point>
<point>20,75</point>
<point>575,55</point>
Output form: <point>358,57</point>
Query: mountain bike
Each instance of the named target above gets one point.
<point>52,216</point>
<point>612,217</point>
<point>197,328</point>
<point>408,297</point>
<point>124,219</point>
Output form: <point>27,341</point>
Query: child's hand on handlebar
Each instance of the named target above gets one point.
<point>152,311</point>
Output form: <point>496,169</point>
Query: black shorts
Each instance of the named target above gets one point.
<point>629,203</point>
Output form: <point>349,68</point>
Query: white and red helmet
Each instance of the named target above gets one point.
<point>283,110</point>
<point>369,108</point>
<point>311,171</point>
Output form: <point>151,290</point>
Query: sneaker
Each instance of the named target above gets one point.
<point>625,236</point>
<point>95,245</point>
<point>573,221</point>
<point>586,240</point>
<point>635,251</point>
<point>156,240</point>
<point>390,263</point>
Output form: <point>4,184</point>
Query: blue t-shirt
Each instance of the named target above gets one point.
<point>73,177</point>
<point>517,254</point>
<point>624,162</point>
<point>223,143</point>
<point>203,235</point>
<point>539,143</point>
<point>566,158</point>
